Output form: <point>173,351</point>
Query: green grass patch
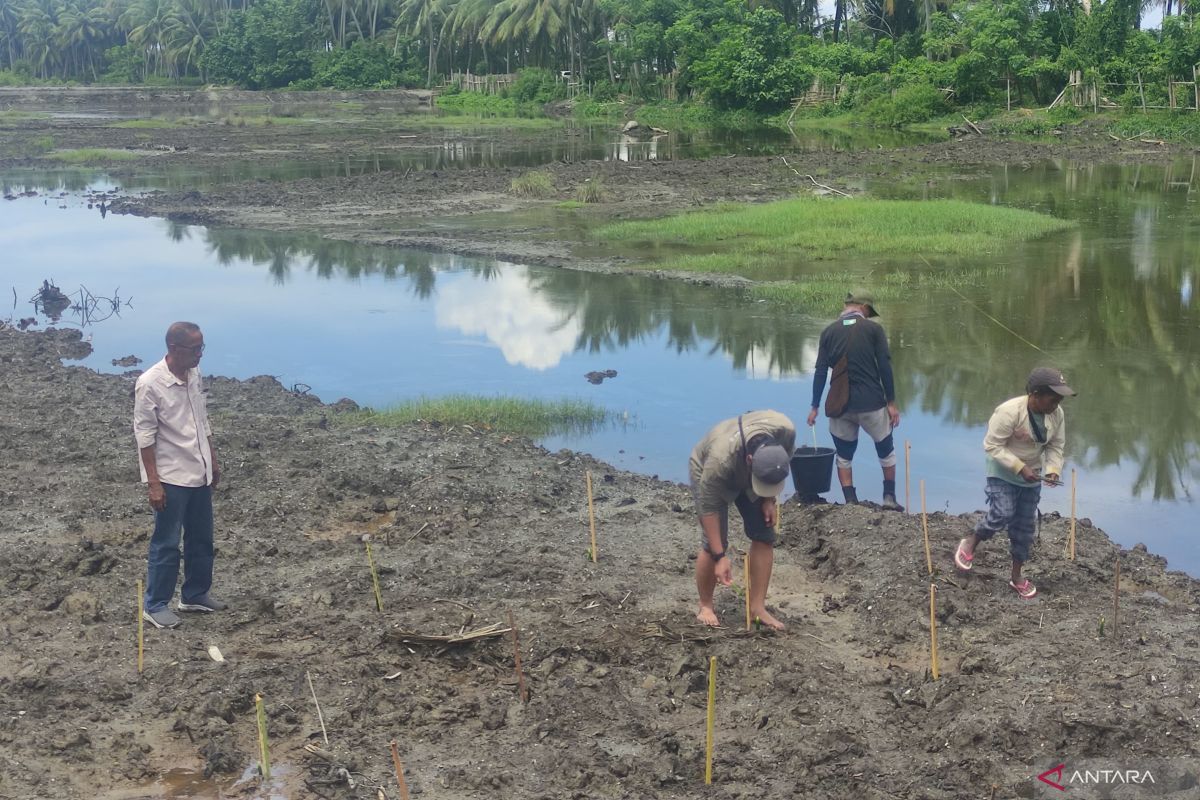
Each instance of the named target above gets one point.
<point>685,116</point>
<point>569,204</point>
<point>515,415</point>
<point>91,155</point>
<point>746,238</point>
<point>12,115</point>
<point>826,290</point>
<point>149,123</point>
<point>1171,126</point>
<point>533,184</point>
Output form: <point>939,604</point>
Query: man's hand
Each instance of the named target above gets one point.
<point>894,415</point>
<point>812,417</point>
<point>1052,479</point>
<point>158,497</point>
<point>770,509</point>
<point>724,572</point>
<point>1028,475</point>
<point>216,477</point>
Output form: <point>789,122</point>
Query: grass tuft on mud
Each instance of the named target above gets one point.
<point>91,155</point>
<point>515,415</point>
<point>743,238</point>
<point>533,184</point>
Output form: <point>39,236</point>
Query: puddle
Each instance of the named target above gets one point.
<point>191,784</point>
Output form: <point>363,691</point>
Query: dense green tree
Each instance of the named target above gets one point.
<point>735,53</point>
<point>751,65</point>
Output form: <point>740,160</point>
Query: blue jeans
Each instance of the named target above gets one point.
<point>188,512</point>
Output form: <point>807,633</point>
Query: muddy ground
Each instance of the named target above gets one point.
<point>470,211</point>
<point>469,526</point>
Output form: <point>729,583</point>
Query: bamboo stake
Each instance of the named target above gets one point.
<point>712,703</point>
<point>907,497</point>
<point>374,578</point>
<point>1116,593</point>
<point>141,626</point>
<point>1071,535</point>
<point>522,690</point>
<point>925,528</point>
<point>591,515</point>
<point>263,748</point>
<point>399,770</point>
<point>746,568</point>
<point>933,654</point>
<point>320,717</point>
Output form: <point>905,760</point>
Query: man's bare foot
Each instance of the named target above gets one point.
<point>708,617</point>
<point>768,620</point>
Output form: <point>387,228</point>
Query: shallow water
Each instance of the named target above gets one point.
<point>1110,303</point>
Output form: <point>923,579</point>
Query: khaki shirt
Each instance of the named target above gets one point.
<point>718,468</point>
<point>1011,442</point>
<point>170,415</point>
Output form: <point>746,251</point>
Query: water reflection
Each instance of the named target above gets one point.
<point>512,314</point>
<point>459,148</point>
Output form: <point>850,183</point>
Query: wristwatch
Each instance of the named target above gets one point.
<point>717,556</point>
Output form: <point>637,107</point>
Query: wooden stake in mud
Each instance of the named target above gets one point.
<point>263,749</point>
<point>1116,592</point>
<point>907,453</point>
<point>712,705</point>
<point>746,570</point>
<point>522,690</point>
<point>933,656</point>
<point>1071,535</point>
<point>925,528</point>
<point>591,515</point>
<point>399,770</point>
<point>320,717</point>
<point>374,578</point>
<point>141,635</point>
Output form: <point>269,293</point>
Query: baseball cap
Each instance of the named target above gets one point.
<point>1049,378</point>
<point>769,468</point>
<point>863,298</point>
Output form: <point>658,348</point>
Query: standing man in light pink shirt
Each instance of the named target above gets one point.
<point>179,467</point>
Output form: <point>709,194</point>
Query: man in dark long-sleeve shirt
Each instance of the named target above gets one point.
<point>872,399</point>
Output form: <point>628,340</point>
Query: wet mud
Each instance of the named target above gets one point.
<point>468,526</point>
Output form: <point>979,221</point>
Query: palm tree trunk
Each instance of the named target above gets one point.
<point>429,37</point>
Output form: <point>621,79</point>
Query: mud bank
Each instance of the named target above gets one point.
<point>469,526</point>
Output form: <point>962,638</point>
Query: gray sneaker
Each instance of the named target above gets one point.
<point>163,618</point>
<point>204,602</point>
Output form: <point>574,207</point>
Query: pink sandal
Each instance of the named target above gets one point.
<point>962,559</point>
<point>1026,589</point>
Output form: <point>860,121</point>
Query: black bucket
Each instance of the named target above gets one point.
<point>812,471</point>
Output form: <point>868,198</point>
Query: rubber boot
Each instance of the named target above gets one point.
<point>851,495</point>
<point>889,503</point>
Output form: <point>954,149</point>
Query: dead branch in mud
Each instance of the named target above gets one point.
<point>657,631</point>
<point>814,180</point>
<point>410,637</point>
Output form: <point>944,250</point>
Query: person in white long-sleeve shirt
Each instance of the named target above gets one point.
<point>179,468</point>
<point>1025,441</point>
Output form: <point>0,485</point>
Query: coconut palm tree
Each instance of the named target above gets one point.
<point>37,24</point>
<point>425,17</point>
<point>8,30</point>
